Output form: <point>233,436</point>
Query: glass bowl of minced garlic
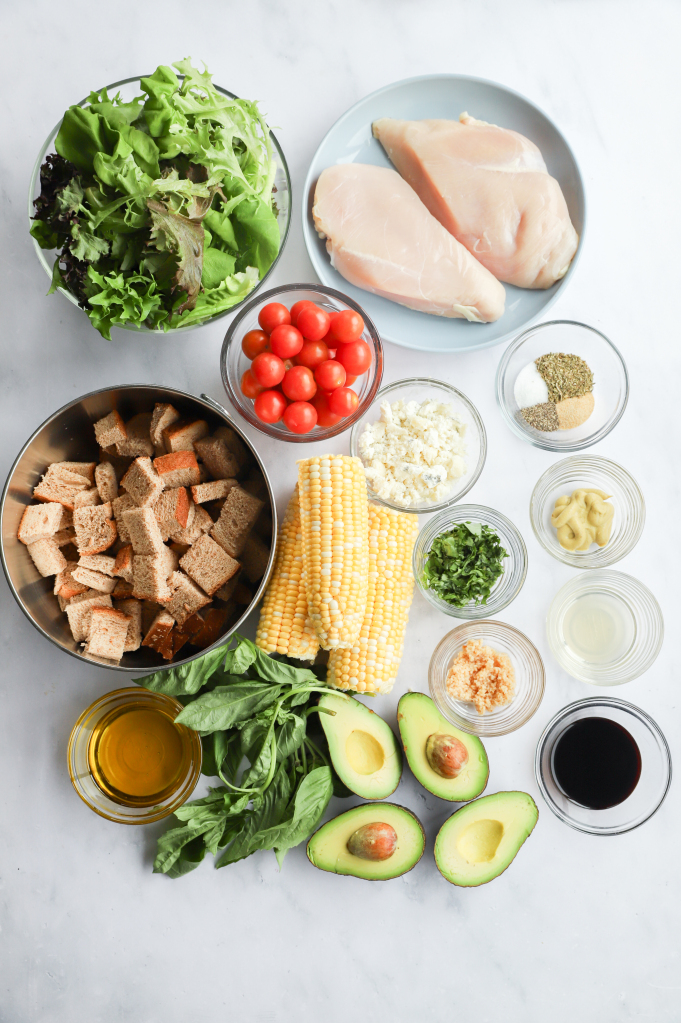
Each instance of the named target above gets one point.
<point>562,386</point>
<point>587,511</point>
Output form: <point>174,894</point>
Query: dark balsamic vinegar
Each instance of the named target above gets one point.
<point>596,763</point>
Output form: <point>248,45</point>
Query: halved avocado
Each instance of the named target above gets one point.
<point>479,841</point>
<point>365,753</point>
<point>328,847</point>
<point>418,719</point>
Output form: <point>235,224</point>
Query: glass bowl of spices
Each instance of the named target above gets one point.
<point>486,677</point>
<point>129,761</point>
<point>605,628</point>
<point>587,511</point>
<point>562,386</point>
<point>470,561</point>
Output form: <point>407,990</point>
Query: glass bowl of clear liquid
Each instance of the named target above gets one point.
<point>605,628</point>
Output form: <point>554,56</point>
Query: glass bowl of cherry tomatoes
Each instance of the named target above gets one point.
<point>302,362</point>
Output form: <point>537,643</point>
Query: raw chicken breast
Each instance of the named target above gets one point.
<point>382,238</point>
<point>490,188</point>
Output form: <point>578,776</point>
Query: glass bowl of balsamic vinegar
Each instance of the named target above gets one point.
<point>603,766</point>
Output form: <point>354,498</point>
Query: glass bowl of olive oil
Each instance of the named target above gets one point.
<point>129,761</point>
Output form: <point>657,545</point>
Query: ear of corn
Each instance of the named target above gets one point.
<point>334,519</point>
<point>284,626</point>
<point>371,664</point>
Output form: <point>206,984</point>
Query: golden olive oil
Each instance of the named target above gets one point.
<point>137,755</point>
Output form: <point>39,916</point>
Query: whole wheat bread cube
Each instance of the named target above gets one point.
<point>200,522</point>
<point>123,563</point>
<point>108,629</point>
<point>226,592</point>
<point>133,609</point>
<point>106,481</point>
<point>237,519</point>
<point>137,442</point>
<point>39,522</point>
<point>173,511</point>
<point>149,575</point>
<point>234,444</point>
<point>254,558</point>
<point>64,537</point>
<point>79,609</point>
<point>87,499</point>
<point>213,491</point>
<point>142,482</point>
<point>149,611</point>
<point>181,436</point>
<point>215,620</point>
<point>95,529</point>
<point>171,559</point>
<point>65,586</point>
<point>47,557</point>
<point>159,631</point>
<point>61,485</point>
<point>208,565</point>
<point>143,530</point>
<point>103,563</point>
<point>120,506</point>
<point>122,590</point>
<point>163,416</point>
<point>217,457</point>
<point>93,580</point>
<point>186,598</point>
<point>110,430</point>
<point>86,469</point>
<point>179,469</point>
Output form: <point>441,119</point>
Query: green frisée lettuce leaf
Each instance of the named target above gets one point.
<point>168,195</point>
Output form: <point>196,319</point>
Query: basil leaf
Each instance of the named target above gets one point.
<point>311,800</point>
<point>186,679</point>
<point>290,736</point>
<point>170,846</point>
<point>260,767</point>
<point>239,660</point>
<point>190,856</point>
<point>224,706</point>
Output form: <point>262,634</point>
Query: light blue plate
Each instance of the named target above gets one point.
<point>350,141</point>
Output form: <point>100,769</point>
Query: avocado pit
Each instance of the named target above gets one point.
<point>446,754</point>
<point>375,841</point>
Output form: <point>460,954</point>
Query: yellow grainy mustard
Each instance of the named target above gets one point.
<point>370,665</point>
<point>334,513</point>
<point>284,626</point>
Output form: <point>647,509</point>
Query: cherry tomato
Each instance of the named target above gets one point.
<point>313,322</point>
<point>355,357</point>
<point>268,369</point>
<point>329,375</point>
<point>250,386</point>
<point>296,308</point>
<point>312,354</point>
<point>332,352</point>
<point>299,384</point>
<point>300,417</point>
<point>343,401</point>
<point>325,417</point>
<point>254,342</point>
<point>272,315</point>
<point>285,341</point>
<point>349,379</point>
<point>347,325</point>
<point>269,406</point>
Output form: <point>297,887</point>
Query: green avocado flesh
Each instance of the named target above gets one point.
<point>417,718</point>
<point>363,748</point>
<point>479,841</point>
<point>328,847</point>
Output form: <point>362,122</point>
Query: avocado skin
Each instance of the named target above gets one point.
<point>479,809</point>
<point>349,821</point>
<point>472,781</point>
<point>351,714</point>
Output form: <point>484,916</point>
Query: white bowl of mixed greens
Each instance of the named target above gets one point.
<point>159,203</point>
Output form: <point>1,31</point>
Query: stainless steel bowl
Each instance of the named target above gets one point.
<point>68,436</point>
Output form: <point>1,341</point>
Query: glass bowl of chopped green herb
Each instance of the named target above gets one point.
<point>470,561</point>
<point>159,203</point>
<point>562,386</point>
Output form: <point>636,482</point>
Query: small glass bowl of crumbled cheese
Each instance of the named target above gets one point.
<point>422,443</point>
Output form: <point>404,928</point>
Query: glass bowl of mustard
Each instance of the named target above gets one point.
<point>587,511</point>
<point>129,761</point>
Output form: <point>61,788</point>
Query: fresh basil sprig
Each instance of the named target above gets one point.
<point>464,563</point>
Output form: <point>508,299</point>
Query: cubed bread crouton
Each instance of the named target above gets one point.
<point>110,430</point>
<point>199,522</point>
<point>87,499</point>
<point>61,485</point>
<point>215,621</point>
<point>137,442</point>
<point>123,563</point>
<point>47,557</point>
<point>208,565</point>
<point>106,481</point>
<point>226,592</point>
<point>216,456</point>
<point>79,609</point>
<point>149,575</point>
<point>149,611</point>
<point>103,563</point>
<point>120,465</point>
<point>133,609</point>
<point>94,580</point>
<point>180,469</point>
<point>64,537</point>
<point>120,506</point>
<point>162,417</point>
<point>95,530</point>
<point>212,491</point>
<point>157,638</point>
<point>142,482</point>
<point>173,510</point>
<point>106,638</point>
<point>86,469</point>
<point>122,590</point>
<point>65,586</point>
<point>254,558</point>
<point>143,530</point>
<point>234,444</point>
<point>237,518</point>
<point>172,560</point>
<point>186,598</point>
<point>181,436</point>
<point>39,522</point>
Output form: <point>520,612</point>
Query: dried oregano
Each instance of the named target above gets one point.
<point>566,376</point>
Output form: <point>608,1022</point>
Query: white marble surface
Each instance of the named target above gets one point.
<point>579,927</point>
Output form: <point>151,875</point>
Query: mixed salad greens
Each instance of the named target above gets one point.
<point>248,705</point>
<point>162,207</point>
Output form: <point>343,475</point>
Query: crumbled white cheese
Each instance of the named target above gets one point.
<point>413,454</point>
